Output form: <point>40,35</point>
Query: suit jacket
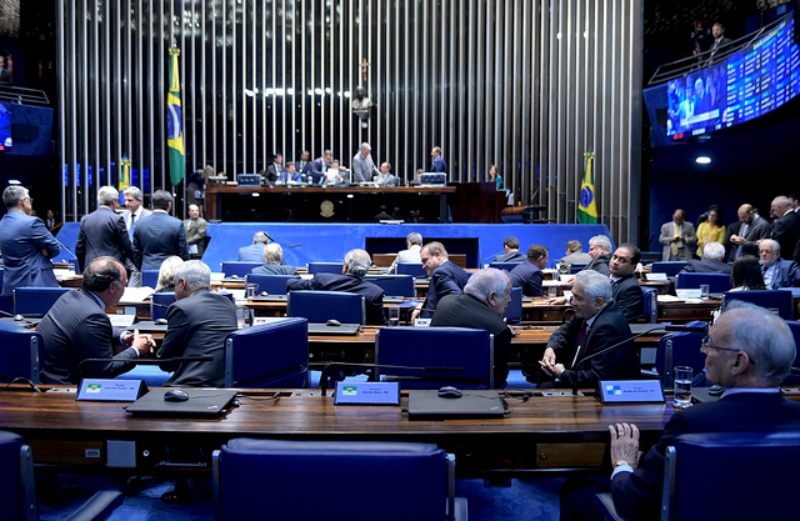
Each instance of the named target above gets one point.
<point>758,229</point>
<point>600,264</point>
<point>514,256</point>
<point>363,168</point>
<point>156,238</point>
<point>75,328</point>
<point>528,277</point>
<point>409,256</point>
<point>252,253</point>
<point>637,495</point>
<point>318,169</point>
<point>127,216</point>
<point>5,76</point>
<point>628,294</point>
<point>274,269</point>
<point>684,248</point>
<point>786,230</point>
<point>102,233</point>
<point>708,266</point>
<point>447,279</point>
<point>608,328</point>
<point>468,311</point>
<point>439,165</point>
<point>372,293</point>
<point>787,274</point>
<point>274,171</point>
<point>198,326</point>
<point>577,257</point>
<point>196,233</point>
<point>22,239</point>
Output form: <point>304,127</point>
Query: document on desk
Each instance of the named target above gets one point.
<point>136,295</point>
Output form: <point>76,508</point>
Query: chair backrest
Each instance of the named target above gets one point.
<point>411,268</point>
<point>679,349</point>
<point>702,470</point>
<point>17,487</point>
<point>163,301</point>
<point>394,285</point>
<point>36,301</point>
<point>391,481</point>
<point>272,284</point>
<point>240,269</point>
<point>575,267</point>
<point>650,304</point>
<point>2,277</point>
<point>717,282</point>
<point>321,306</point>
<point>508,266</point>
<point>324,267</point>
<point>778,302</point>
<point>268,356</point>
<point>442,347</point>
<point>793,379</point>
<point>671,268</point>
<point>150,278</point>
<point>513,313</point>
<point>21,353</point>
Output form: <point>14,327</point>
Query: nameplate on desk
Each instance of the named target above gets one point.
<point>367,393</point>
<point>630,391</point>
<point>688,293</point>
<point>105,390</point>
<point>656,276</point>
<point>123,321</point>
<point>422,322</point>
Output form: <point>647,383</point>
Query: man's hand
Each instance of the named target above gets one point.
<point>557,301</point>
<point>625,443</point>
<point>143,343</point>
<point>737,240</point>
<point>415,315</point>
<point>548,361</point>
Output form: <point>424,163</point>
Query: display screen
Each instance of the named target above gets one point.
<point>5,126</point>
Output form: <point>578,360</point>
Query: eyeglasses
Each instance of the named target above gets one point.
<point>766,252</point>
<point>705,345</point>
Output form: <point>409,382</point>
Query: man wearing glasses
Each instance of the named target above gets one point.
<point>749,351</point>
<point>778,273</point>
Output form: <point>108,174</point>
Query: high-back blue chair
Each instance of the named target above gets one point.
<point>21,353</point>
<point>513,313</point>
<point>2,277</point>
<point>682,348</point>
<point>508,266</point>
<point>272,284</point>
<point>437,347</point>
<point>324,267</point>
<point>778,302</point>
<point>793,379</point>
<point>411,268</point>
<point>394,285</point>
<point>239,269</point>
<point>321,306</point>
<point>36,301</point>
<point>159,302</point>
<point>717,282</point>
<point>396,481</point>
<point>650,304</point>
<point>268,356</point>
<point>575,267</point>
<point>671,268</point>
<point>150,278</point>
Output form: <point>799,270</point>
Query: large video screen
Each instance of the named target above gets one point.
<point>744,86</point>
<point>5,126</point>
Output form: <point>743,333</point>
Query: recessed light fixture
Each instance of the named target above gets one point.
<point>14,182</point>
<point>703,160</point>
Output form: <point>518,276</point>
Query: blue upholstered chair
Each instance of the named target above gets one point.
<point>239,269</point>
<point>513,313</point>
<point>682,348</point>
<point>444,347</point>
<point>272,284</point>
<point>271,355</point>
<point>793,379</point>
<point>158,301</point>
<point>150,278</point>
<point>36,301</point>
<point>508,266</point>
<point>21,353</point>
<point>575,267</point>
<point>717,282</point>
<point>364,480</point>
<point>650,304</point>
<point>324,267</point>
<point>321,306</point>
<point>671,268</point>
<point>778,302</point>
<point>18,489</point>
<point>394,285</point>
<point>411,268</point>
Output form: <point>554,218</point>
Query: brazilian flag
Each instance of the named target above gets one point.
<point>177,163</point>
<point>587,208</point>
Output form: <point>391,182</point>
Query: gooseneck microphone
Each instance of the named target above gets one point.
<point>326,376</point>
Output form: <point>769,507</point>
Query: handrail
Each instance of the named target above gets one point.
<point>23,95</point>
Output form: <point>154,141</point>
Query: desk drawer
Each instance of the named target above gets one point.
<point>570,455</point>
<point>68,452</point>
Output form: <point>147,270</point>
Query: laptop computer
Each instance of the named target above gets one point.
<point>315,328</point>
<point>428,405</point>
<point>201,402</point>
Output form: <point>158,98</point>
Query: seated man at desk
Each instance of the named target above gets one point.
<point>356,266</point>
<point>199,321</point>
<point>290,176</point>
<point>411,254</point>
<point>624,287</point>
<point>484,302</point>
<point>749,351</point>
<point>77,327</point>
<point>273,259</point>
<point>511,251</point>
<point>528,275</point>
<point>572,357</point>
<point>254,252</point>
<point>446,278</point>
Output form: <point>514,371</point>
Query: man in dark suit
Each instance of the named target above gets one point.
<point>26,244</point>
<point>484,302</point>
<point>159,236</point>
<point>446,278</point>
<point>625,289</point>
<point>5,75</point>
<point>77,327</point>
<point>273,257</point>
<point>275,170</point>
<point>749,351</point>
<point>786,227</point>
<point>134,213</point>
<point>600,252</point>
<point>511,251</point>
<point>598,324</point>
<point>778,273</point>
<point>712,262</point>
<point>743,236</point>
<point>102,232</point>
<point>528,275</point>
<point>356,266</point>
<point>319,166</point>
<point>439,165</point>
<point>199,321</point>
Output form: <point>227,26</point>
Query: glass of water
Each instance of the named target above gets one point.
<point>394,316</point>
<point>682,394</point>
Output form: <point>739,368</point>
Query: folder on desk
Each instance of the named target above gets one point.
<point>201,402</point>
<point>428,405</point>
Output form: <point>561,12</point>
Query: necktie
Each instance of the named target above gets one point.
<point>581,339</point>
<point>674,247</point>
<point>742,233</point>
<point>133,225</point>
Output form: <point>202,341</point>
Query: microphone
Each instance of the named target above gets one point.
<point>269,237</point>
<point>324,378</point>
<point>156,304</point>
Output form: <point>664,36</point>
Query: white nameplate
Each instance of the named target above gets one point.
<point>688,293</point>
<point>123,321</point>
<point>630,391</point>
<point>422,322</point>
<point>656,276</point>
<point>105,390</point>
<point>367,393</point>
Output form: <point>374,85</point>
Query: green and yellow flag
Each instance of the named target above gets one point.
<point>124,174</point>
<point>177,163</point>
<point>587,208</point>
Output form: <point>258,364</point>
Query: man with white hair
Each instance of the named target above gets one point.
<point>786,227</point>
<point>355,268</point>
<point>199,321</point>
<point>778,273</point>
<point>484,302</point>
<point>600,252</point>
<point>711,262</point>
<point>273,262</point>
<point>103,232</point>
<point>411,255</point>
<point>363,165</point>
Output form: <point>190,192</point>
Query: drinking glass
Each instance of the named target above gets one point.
<point>682,390</point>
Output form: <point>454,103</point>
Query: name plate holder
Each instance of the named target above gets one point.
<point>105,390</point>
<point>630,391</point>
<point>367,393</point>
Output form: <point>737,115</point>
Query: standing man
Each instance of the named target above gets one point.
<point>411,255</point>
<point>275,170</point>
<point>305,162</point>
<point>446,278</point>
<point>159,236</point>
<point>439,164</point>
<point>103,232</point>
<point>26,244</point>
<point>676,237</point>
<point>135,213</point>
<point>196,228</point>
<point>625,288</point>
<point>511,251</point>
<point>5,75</point>
<point>319,166</point>
<point>528,275</point>
<point>745,234</point>
<point>363,166</point>
<point>786,227</point>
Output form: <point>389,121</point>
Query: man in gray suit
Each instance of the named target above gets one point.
<point>363,166</point>
<point>159,236</point>
<point>102,232</point>
<point>135,212</point>
<point>745,234</point>
<point>677,236</point>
